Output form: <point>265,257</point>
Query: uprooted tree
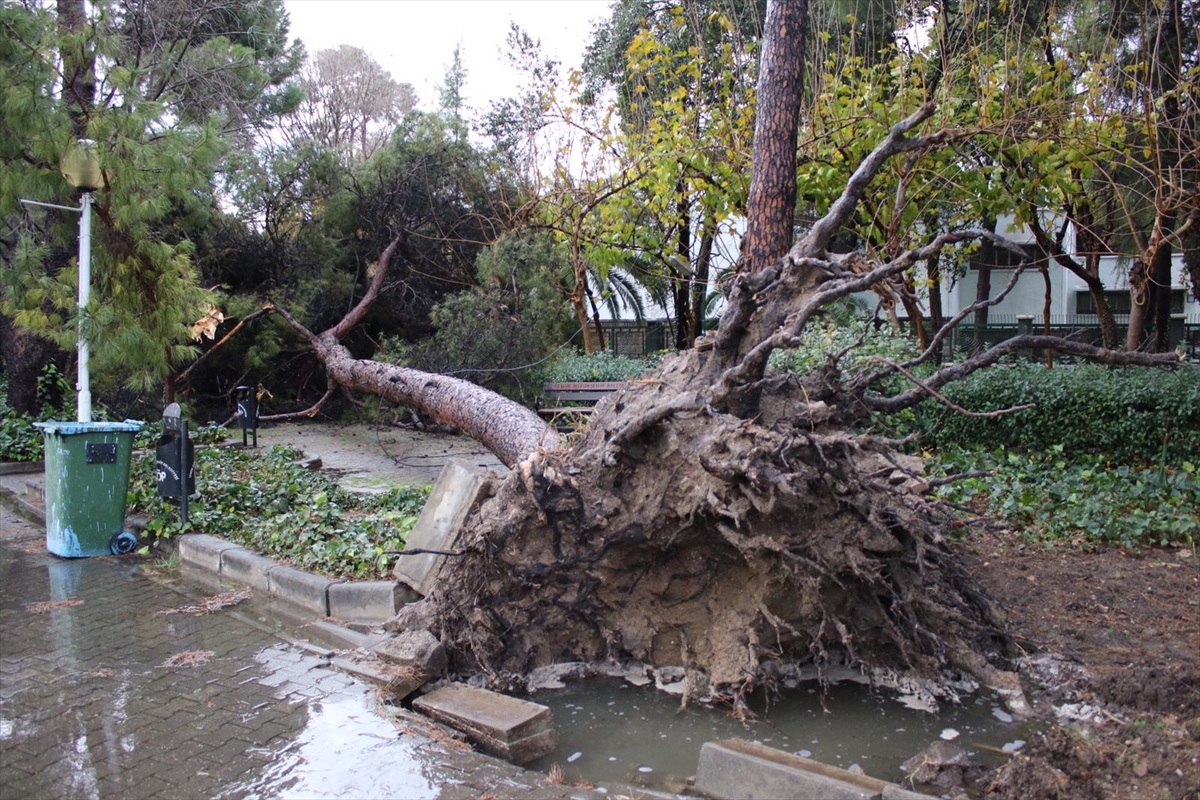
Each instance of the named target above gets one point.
<point>717,515</point>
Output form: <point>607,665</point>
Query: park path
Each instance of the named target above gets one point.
<point>104,695</point>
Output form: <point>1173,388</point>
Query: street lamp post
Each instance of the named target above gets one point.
<point>87,463</point>
<point>80,165</point>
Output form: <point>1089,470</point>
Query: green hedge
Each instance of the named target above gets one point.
<point>1121,413</point>
<point>603,366</point>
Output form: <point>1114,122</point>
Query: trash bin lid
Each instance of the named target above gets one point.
<point>69,428</point>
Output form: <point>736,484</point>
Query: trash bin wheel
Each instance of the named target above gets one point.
<point>124,542</point>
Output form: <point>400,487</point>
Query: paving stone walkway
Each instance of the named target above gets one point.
<point>104,695</point>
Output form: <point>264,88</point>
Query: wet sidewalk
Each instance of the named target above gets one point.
<point>104,692</point>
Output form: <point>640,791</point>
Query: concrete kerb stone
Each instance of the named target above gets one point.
<point>459,486</point>
<point>893,792</point>
<point>513,729</point>
<point>735,769</point>
<point>368,601</point>
<point>21,507</point>
<point>304,589</point>
<point>249,569</point>
<point>21,467</point>
<point>203,551</point>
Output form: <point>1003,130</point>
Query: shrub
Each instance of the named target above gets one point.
<point>603,366</point>
<point>1130,414</point>
<point>19,440</point>
<point>264,500</point>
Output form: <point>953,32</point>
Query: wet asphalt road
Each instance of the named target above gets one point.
<point>102,695</point>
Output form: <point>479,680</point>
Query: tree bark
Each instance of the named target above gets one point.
<point>1139,304</point>
<point>771,206</point>
<point>700,281</point>
<point>682,270</point>
<point>79,66</point>
<point>937,317</point>
<point>1191,254</point>
<point>983,284</point>
<point>510,430</point>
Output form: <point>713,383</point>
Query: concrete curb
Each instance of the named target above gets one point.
<point>736,769</point>
<point>366,602</point>
<point>21,507</point>
<point>21,467</point>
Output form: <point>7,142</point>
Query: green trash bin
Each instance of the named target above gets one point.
<point>87,480</point>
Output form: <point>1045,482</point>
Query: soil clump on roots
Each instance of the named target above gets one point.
<point>725,546</point>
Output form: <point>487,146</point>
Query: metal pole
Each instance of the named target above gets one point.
<point>83,384</point>
<point>185,470</point>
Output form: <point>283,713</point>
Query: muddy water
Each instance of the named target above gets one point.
<point>610,730</point>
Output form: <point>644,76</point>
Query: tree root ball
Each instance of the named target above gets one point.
<point>720,545</point>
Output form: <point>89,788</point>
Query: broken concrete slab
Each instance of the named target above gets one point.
<point>516,730</point>
<point>246,568</point>
<point>303,589</point>
<point>735,769</point>
<point>368,601</point>
<point>202,550</point>
<point>419,651</point>
<point>459,486</point>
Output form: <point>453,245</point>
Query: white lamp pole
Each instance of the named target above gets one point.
<point>80,165</point>
<point>83,385</point>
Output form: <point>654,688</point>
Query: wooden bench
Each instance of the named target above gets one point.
<point>549,405</point>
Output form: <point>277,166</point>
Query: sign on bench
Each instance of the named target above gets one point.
<point>591,392</point>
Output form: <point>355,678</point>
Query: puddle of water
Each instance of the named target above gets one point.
<point>610,730</point>
<point>325,759</point>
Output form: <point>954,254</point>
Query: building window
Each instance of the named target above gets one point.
<point>1006,259</point>
<point>1118,301</point>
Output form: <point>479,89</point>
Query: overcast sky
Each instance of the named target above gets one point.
<point>415,39</point>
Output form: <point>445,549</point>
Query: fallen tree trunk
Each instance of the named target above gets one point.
<point>717,517</point>
<point>510,430</point>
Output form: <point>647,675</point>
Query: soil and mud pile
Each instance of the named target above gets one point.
<point>727,546</point>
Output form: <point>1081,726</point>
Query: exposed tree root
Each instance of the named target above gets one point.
<point>716,544</point>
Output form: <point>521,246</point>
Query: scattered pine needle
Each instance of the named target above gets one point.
<point>212,604</point>
<point>51,605</point>
<point>188,658</point>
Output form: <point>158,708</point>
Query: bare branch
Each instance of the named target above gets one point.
<point>183,376</point>
<point>949,403</point>
<point>307,413</point>
<point>359,311</point>
<point>300,329</point>
<point>895,142</point>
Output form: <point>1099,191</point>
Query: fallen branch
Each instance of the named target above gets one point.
<point>946,401</point>
<point>307,413</point>
<point>183,376</point>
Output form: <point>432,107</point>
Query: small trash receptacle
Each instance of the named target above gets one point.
<point>87,480</point>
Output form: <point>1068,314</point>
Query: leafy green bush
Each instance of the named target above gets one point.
<point>571,366</point>
<point>19,440</point>
<point>1126,414</point>
<point>269,503</point>
<point>1086,499</point>
<point>866,343</point>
